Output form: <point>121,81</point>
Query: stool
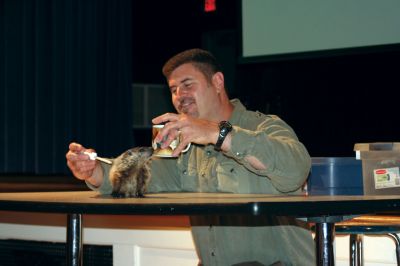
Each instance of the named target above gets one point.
<point>369,225</point>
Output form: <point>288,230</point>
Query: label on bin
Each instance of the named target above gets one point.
<point>387,177</point>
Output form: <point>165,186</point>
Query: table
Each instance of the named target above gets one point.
<point>324,211</point>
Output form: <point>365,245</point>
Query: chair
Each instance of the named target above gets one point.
<point>369,225</point>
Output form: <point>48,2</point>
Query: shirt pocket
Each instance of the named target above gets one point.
<point>235,178</point>
<point>188,178</point>
<point>227,177</point>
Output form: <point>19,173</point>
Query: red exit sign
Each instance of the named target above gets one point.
<point>210,6</point>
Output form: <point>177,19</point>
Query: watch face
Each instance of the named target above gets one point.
<point>224,128</point>
<point>225,124</point>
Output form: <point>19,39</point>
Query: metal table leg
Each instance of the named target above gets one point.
<point>74,245</point>
<point>324,236</point>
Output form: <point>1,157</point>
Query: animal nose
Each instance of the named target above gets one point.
<point>147,150</point>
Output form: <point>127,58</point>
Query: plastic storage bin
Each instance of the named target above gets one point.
<point>380,167</point>
<point>335,176</point>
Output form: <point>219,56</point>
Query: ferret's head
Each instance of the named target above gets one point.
<point>130,172</point>
<point>137,155</point>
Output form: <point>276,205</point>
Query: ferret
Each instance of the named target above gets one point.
<point>130,173</point>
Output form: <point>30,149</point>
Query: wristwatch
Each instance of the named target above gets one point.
<point>224,128</point>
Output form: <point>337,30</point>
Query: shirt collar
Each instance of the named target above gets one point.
<point>237,111</point>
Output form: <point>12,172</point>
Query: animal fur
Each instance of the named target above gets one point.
<point>130,172</point>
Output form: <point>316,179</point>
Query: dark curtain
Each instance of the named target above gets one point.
<point>65,75</point>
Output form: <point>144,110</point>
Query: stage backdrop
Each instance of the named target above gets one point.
<point>65,75</point>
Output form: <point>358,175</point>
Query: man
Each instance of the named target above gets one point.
<point>233,150</point>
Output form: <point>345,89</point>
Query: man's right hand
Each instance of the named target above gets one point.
<point>82,167</point>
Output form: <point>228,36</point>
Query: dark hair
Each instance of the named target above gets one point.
<point>203,60</point>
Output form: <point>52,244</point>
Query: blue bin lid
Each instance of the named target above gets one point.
<point>335,176</point>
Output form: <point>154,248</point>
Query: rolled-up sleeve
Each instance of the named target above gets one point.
<point>274,144</point>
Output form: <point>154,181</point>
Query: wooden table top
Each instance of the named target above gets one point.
<point>91,202</point>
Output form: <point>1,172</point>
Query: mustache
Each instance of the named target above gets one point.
<point>185,100</point>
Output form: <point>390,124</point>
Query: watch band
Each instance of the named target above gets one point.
<point>224,128</point>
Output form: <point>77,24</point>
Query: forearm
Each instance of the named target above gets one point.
<point>96,179</point>
<point>99,181</point>
<point>253,161</point>
<point>279,156</point>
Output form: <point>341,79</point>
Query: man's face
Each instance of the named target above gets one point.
<point>191,93</point>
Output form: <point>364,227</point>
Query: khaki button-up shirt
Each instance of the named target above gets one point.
<point>227,240</point>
